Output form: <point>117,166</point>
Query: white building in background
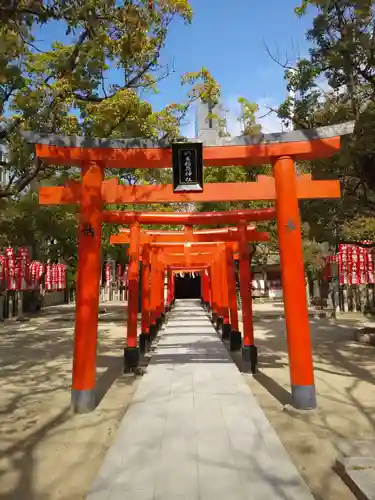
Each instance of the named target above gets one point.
<point>208,129</point>
<point>4,175</point>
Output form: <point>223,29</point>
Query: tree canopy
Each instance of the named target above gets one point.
<point>336,83</point>
<point>66,87</point>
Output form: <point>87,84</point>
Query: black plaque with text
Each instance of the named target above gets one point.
<point>187,159</point>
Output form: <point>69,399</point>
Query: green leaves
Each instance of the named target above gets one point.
<point>205,87</point>
<point>67,87</point>
<point>333,85</point>
<point>359,229</point>
<point>50,231</point>
<point>248,117</point>
<point>301,10</point>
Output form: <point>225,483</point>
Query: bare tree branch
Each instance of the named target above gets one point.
<point>131,84</point>
<point>25,41</point>
<point>23,181</point>
<point>285,65</point>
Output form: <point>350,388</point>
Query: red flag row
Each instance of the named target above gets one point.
<point>18,273</point>
<point>356,265</point>
<point>121,274</point>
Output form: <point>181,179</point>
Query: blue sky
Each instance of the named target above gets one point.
<point>228,38</point>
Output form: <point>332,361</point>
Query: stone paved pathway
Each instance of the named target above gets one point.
<point>194,431</point>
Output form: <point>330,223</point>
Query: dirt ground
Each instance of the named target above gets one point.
<point>46,452</point>
<point>345,384</point>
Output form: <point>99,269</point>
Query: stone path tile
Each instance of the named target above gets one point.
<point>194,431</point>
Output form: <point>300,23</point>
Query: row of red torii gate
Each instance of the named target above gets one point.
<point>209,252</point>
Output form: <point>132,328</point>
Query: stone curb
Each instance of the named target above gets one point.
<point>358,473</point>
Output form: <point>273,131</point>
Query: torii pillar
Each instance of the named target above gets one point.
<point>226,326</point>
<point>249,350</point>
<point>88,282</point>
<point>232,294</point>
<point>293,280</point>
<point>145,338</point>
<point>205,289</point>
<point>170,278</point>
<point>131,351</point>
<point>153,292</point>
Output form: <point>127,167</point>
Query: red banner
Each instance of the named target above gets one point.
<point>10,268</point>
<point>48,277</point>
<point>36,270</point>
<point>352,265</point>
<point>356,266</point>
<point>61,276</point>
<point>107,275</point>
<point>343,264</point>
<point>370,268</point>
<point>2,270</point>
<point>362,275</point>
<point>119,272</point>
<point>125,276</point>
<point>33,273</point>
<point>54,277</point>
<point>22,270</point>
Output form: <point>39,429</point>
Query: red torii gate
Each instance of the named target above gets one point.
<point>286,188</point>
<point>135,236</point>
<point>222,239</point>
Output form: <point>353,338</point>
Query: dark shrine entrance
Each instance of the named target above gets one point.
<point>188,286</point>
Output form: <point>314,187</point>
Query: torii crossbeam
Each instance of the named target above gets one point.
<point>285,188</point>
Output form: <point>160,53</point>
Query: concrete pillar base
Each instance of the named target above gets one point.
<point>250,359</point>
<point>144,342</point>
<point>225,331</point>
<point>218,324</point>
<point>83,401</point>
<point>235,340</point>
<point>304,397</point>
<point>131,359</point>
<point>153,332</point>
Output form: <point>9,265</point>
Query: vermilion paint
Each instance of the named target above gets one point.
<point>293,274</point>
<point>232,289</point>
<point>133,283</point>
<point>245,288</point>
<point>146,289</point>
<point>87,299</point>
